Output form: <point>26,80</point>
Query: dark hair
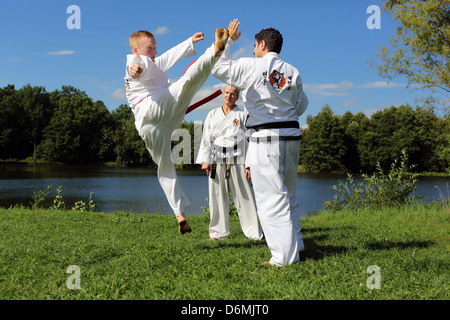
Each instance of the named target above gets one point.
<point>272,38</point>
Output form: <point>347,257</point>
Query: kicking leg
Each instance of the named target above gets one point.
<point>184,90</point>
<point>157,141</point>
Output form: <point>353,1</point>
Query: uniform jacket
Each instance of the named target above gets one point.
<point>154,77</point>
<point>271,89</point>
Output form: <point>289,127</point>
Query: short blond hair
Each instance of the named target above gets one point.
<point>135,38</point>
<point>237,91</point>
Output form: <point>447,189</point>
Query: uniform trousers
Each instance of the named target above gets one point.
<point>273,166</point>
<point>242,193</point>
<point>157,116</point>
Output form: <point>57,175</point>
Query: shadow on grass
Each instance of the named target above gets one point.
<point>220,244</point>
<point>312,237</point>
<point>388,245</point>
<point>315,251</point>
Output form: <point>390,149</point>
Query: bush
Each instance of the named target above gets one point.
<point>40,197</point>
<point>377,190</point>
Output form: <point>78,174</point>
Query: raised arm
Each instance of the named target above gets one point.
<point>185,49</point>
<point>233,30</point>
<point>232,72</point>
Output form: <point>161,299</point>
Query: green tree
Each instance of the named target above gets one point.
<point>353,129</point>
<point>10,113</point>
<point>442,144</point>
<point>75,133</point>
<point>323,143</point>
<point>16,132</point>
<point>395,129</point>
<point>129,148</point>
<point>38,112</point>
<point>420,48</point>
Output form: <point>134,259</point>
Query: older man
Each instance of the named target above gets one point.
<point>222,155</point>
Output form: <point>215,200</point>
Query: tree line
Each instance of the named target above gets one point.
<point>67,126</point>
<point>356,143</point>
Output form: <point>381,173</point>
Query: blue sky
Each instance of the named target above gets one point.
<point>328,41</point>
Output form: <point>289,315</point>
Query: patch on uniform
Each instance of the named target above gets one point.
<point>277,79</point>
<point>236,122</point>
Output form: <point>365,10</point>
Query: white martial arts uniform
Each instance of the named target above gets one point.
<point>272,91</point>
<point>223,142</point>
<point>159,108</point>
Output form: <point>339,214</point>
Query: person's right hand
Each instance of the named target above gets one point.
<point>136,70</point>
<point>205,166</point>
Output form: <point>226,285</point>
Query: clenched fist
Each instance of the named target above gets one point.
<point>136,70</point>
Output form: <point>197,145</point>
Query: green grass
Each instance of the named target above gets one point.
<point>138,256</point>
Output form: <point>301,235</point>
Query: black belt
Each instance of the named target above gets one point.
<point>269,138</point>
<point>276,125</point>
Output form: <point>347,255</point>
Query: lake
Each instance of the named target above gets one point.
<point>137,189</point>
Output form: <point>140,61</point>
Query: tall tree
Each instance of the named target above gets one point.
<point>16,131</point>
<point>75,132</point>
<point>128,146</point>
<point>353,129</point>
<point>420,48</point>
<point>323,143</point>
<point>441,146</point>
<point>393,130</point>
<point>38,111</point>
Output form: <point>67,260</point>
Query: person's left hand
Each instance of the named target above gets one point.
<point>198,36</point>
<point>233,30</point>
<point>248,175</point>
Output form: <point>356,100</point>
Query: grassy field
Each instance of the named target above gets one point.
<point>137,256</point>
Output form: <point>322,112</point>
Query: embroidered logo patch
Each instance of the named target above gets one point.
<point>277,79</point>
<point>236,122</point>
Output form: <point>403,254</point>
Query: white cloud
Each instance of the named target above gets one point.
<point>118,94</point>
<point>328,89</point>
<point>242,52</point>
<point>350,102</point>
<point>381,84</point>
<point>160,30</point>
<point>61,53</point>
<point>342,88</point>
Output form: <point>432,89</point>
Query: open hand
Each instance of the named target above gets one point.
<point>233,28</point>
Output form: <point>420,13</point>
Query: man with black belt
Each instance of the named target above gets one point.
<point>273,96</point>
<point>222,155</point>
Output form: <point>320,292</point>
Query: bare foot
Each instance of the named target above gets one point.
<point>221,41</point>
<point>183,225</point>
<point>211,239</point>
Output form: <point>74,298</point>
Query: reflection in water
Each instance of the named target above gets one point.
<point>137,189</point>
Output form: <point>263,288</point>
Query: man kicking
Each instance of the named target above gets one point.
<point>159,106</point>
